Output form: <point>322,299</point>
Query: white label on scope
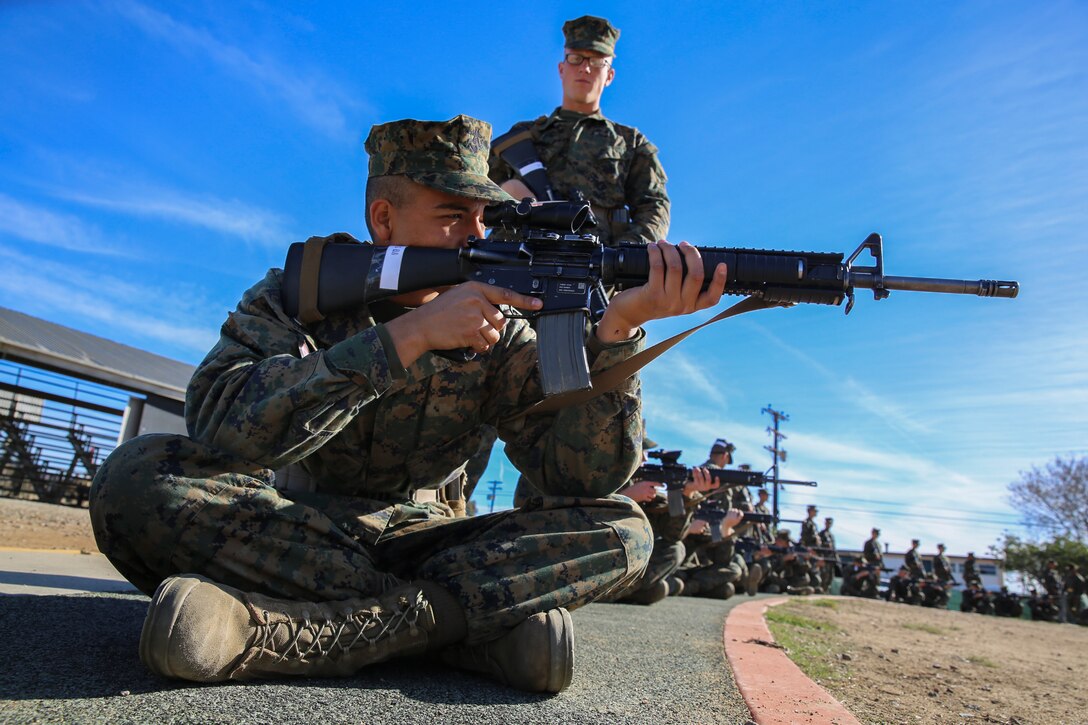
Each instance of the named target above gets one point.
<point>530,168</point>
<point>391,268</point>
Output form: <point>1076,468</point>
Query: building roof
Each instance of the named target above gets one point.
<point>38,342</point>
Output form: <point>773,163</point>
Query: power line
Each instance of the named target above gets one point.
<point>932,517</point>
<point>885,502</point>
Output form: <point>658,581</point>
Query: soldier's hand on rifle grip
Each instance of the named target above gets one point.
<point>642,491</point>
<point>464,316</point>
<point>668,292</point>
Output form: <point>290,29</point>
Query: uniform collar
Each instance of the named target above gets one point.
<point>564,114</point>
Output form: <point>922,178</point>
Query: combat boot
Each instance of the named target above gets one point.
<point>202,631</point>
<point>721,591</point>
<point>676,586</point>
<point>536,656</point>
<point>755,575</point>
<point>649,595</point>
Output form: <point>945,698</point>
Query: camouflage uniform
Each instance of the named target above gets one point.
<point>763,533</point>
<point>810,536</point>
<point>872,553</point>
<point>1074,589</point>
<point>913,561</point>
<point>942,568</point>
<point>333,396</point>
<point>666,557</point>
<point>970,570</point>
<point>711,565</point>
<point>613,165</point>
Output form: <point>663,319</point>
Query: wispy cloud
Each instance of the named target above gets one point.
<point>679,371</point>
<point>316,100</point>
<point>55,229</point>
<point>148,313</point>
<point>227,216</point>
<point>850,390</point>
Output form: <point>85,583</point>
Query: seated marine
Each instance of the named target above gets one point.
<point>250,581</point>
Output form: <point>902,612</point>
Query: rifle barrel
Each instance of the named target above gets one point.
<point>977,287</point>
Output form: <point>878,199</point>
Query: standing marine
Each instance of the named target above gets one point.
<point>913,561</point>
<point>871,553</point>
<point>970,570</point>
<point>942,567</point>
<point>578,149</point>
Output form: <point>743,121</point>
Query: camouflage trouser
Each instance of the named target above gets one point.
<point>711,580</point>
<point>166,505</point>
<point>665,560</point>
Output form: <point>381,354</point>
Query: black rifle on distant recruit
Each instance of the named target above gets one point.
<point>676,475</point>
<point>714,513</point>
<point>538,248</point>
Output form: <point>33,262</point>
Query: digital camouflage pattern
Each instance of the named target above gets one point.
<point>591,33</point>
<point>710,565</point>
<point>810,536</point>
<point>449,156</point>
<point>913,561</point>
<point>611,164</point>
<point>872,553</point>
<point>942,568</point>
<point>332,397</point>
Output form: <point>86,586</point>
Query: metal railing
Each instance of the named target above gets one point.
<point>55,431</point>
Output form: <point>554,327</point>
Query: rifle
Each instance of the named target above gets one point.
<point>537,248</point>
<point>713,514</point>
<point>676,475</point>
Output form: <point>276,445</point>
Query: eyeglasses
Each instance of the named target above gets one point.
<point>595,63</point>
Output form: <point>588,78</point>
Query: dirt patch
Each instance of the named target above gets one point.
<point>35,525</point>
<point>893,663</point>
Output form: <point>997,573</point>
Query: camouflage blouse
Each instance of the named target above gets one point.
<point>612,164</point>
<point>333,396</point>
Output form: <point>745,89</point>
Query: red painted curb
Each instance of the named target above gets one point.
<point>773,687</point>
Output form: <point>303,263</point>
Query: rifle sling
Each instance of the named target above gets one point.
<point>610,379</point>
<point>309,277</point>
<point>510,140</point>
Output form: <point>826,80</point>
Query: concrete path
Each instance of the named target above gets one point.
<point>69,625</point>
<point>72,657</point>
<point>34,571</point>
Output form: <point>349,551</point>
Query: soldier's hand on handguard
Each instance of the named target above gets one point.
<point>698,527</point>
<point>700,482</point>
<point>463,316</point>
<point>668,292</point>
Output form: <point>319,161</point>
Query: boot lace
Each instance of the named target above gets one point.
<point>348,629</point>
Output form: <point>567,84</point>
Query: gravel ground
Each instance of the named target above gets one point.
<point>35,525</point>
<point>893,663</point>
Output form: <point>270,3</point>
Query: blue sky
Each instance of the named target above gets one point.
<point>158,157</point>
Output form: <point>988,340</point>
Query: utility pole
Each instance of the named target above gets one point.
<point>778,453</point>
<point>495,486</point>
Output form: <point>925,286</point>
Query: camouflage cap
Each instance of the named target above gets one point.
<point>648,444</point>
<point>450,156</point>
<point>591,33</point>
<point>722,446</point>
